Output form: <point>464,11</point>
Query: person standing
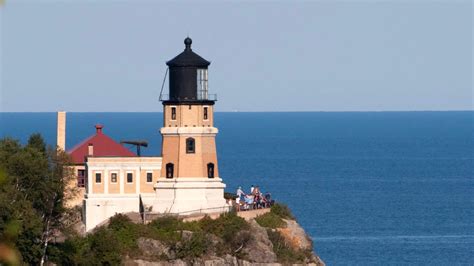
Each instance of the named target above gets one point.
<point>240,192</point>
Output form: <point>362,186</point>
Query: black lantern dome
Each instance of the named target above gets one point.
<point>188,76</point>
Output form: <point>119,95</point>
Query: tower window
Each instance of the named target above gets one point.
<point>113,177</point>
<point>173,113</point>
<point>205,113</point>
<point>149,177</point>
<point>129,177</point>
<point>210,170</point>
<point>169,170</point>
<point>202,84</point>
<point>98,177</point>
<point>190,145</point>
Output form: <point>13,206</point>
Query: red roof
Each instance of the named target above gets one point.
<point>102,144</point>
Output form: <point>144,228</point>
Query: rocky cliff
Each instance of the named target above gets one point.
<point>257,237</point>
<point>266,240</point>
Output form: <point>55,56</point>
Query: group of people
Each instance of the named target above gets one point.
<point>253,200</point>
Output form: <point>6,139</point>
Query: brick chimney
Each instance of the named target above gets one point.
<point>98,128</point>
<point>61,130</point>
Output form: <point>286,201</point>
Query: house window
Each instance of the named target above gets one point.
<point>190,145</point>
<point>113,177</point>
<point>210,170</point>
<point>205,113</point>
<point>98,177</point>
<point>149,177</point>
<point>173,113</point>
<point>169,170</point>
<point>81,178</point>
<point>129,177</point>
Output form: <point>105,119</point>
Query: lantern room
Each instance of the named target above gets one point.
<point>188,77</point>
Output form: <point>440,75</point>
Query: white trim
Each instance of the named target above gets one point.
<point>189,179</point>
<point>122,166</point>
<point>106,181</point>
<point>137,185</point>
<point>122,182</point>
<point>188,130</point>
<point>89,181</point>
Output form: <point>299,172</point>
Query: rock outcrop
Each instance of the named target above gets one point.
<point>258,249</point>
<point>295,235</point>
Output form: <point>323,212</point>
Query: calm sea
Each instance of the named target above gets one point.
<point>369,187</point>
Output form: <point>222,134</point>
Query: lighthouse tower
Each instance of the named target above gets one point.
<point>189,180</point>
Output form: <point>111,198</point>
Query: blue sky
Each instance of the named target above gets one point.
<point>266,56</point>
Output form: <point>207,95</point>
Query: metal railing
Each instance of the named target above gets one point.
<point>148,215</point>
<point>200,97</point>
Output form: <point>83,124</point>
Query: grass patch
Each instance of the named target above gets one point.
<point>282,210</point>
<point>270,220</point>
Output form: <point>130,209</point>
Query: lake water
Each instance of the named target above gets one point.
<point>369,187</point>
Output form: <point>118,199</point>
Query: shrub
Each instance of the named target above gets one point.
<point>226,226</point>
<point>165,229</point>
<point>282,210</point>
<point>98,248</point>
<point>168,222</point>
<point>72,252</point>
<point>194,247</point>
<point>270,220</point>
<point>125,231</point>
<point>105,248</point>
<point>232,229</point>
<point>119,221</point>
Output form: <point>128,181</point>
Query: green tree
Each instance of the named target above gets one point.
<point>36,141</point>
<point>33,183</point>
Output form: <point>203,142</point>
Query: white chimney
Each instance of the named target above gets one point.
<point>90,151</point>
<point>61,132</point>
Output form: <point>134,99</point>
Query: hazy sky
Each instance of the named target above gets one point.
<point>266,56</point>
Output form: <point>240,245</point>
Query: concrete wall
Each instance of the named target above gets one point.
<point>105,199</point>
<point>190,195</point>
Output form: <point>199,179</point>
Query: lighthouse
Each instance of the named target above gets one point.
<point>189,180</point>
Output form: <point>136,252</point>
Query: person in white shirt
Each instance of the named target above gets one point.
<point>240,192</point>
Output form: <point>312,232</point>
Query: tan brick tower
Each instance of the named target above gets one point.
<point>189,179</point>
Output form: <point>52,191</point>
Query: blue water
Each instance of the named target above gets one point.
<point>370,187</point>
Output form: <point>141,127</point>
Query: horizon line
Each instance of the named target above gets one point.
<point>321,111</point>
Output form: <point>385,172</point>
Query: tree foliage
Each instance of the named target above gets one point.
<point>32,186</point>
